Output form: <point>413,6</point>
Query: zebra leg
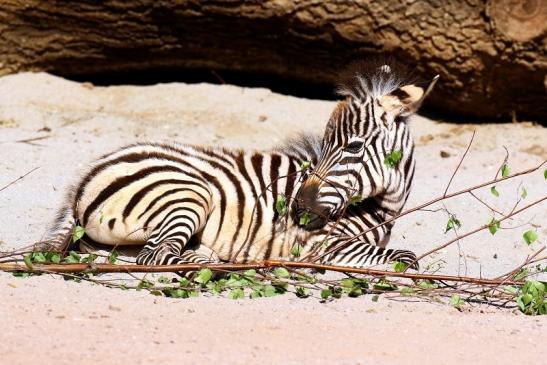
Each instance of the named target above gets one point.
<point>362,254</point>
<point>173,230</point>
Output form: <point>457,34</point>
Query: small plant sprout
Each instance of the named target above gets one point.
<point>281,205</point>
<point>456,301</point>
<point>392,159</point>
<point>530,236</point>
<point>523,193</point>
<point>452,223</point>
<point>505,170</point>
<point>305,165</point>
<point>296,249</point>
<point>113,257</point>
<point>305,219</point>
<point>494,191</point>
<point>493,226</point>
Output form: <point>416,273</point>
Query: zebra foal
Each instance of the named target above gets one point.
<point>184,203</point>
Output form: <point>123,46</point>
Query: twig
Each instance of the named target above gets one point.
<point>484,226</point>
<point>19,178</point>
<point>459,164</point>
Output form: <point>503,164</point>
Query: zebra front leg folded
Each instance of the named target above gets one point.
<point>364,254</point>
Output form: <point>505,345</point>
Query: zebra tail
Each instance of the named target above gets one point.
<point>59,236</point>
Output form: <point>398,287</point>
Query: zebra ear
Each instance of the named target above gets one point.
<point>406,99</point>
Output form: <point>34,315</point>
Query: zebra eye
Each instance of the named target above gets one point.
<point>354,147</point>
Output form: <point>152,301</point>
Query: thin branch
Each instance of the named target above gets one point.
<point>426,204</point>
<point>460,163</point>
<point>19,178</point>
<point>484,226</point>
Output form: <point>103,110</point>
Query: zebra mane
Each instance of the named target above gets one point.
<point>306,147</point>
<point>375,77</point>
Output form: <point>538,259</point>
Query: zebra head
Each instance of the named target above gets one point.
<point>367,150</point>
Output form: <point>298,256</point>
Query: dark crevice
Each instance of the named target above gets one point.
<point>278,84</point>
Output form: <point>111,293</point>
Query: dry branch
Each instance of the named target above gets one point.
<point>110,268</point>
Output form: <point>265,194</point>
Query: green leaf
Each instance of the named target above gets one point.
<point>281,272</point>
<point>505,170</point>
<point>53,257</point>
<point>456,301</point>
<point>545,174</point>
<point>427,284</point>
<point>73,257</point>
<point>326,293</point>
<point>521,274</point>
<point>176,293</point>
<point>28,262</point>
<point>144,284</point>
<point>256,293</point>
<point>452,223</point>
<point>302,292</point>
<point>305,165</point>
<point>89,258</point>
<point>391,160</point>
<point>494,191</point>
<point>406,291</point>
<point>38,257</point>
<point>101,218</point>
<point>203,276</point>
<point>184,283</point>
<point>375,298</point>
<point>236,293</point>
<point>296,249</point>
<point>77,233</point>
<point>251,273</point>
<point>113,257</point>
<point>281,205</point>
<point>270,291</point>
<point>356,199</point>
<point>524,193</point>
<point>493,226</point>
<point>385,286</point>
<point>399,266</point>
<point>21,274</point>
<point>530,236</point>
<point>305,219</point>
<point>163,280</point>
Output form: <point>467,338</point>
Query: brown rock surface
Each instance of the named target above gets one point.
<point>491,55</point>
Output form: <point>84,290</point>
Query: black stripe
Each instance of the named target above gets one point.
<point>145,190</point>
<point>122,182</point>
<point>167,205</point>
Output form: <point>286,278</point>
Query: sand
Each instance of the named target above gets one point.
<point>60,126</point>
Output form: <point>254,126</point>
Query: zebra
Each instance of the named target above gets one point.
<point>183,203</point>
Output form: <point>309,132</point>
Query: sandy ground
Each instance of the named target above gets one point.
<point>59,126</point>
